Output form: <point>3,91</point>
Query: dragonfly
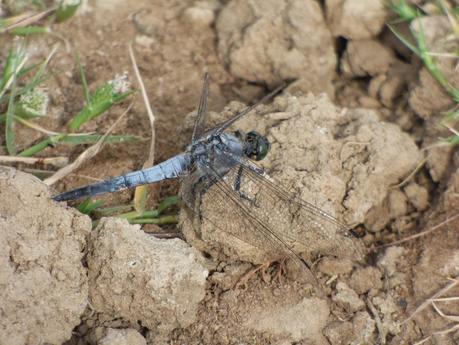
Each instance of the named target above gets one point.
<point>220,168</point>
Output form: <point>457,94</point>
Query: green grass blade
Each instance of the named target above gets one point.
<point>88,206</point>
<point>9,119</point>
<point>20,73</point>
<point>94,109</point>
<point>163,205</point>
<point>431,64</point>
<point>452,140</point>
<point>87,96</point>
<point>50,141</point>
<point>39,76</point>
<point>171,219</point>
<point>405,41</point>
<point>66,11</point>
<point>9,132</point>
<point>7,69</point>
<point>168,202</point>
<point>30,30</point>
<point>75,139</point>
<point>111,210</point>
<point>404,11</point>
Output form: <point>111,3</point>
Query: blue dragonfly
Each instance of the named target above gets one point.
<point>218,163</point>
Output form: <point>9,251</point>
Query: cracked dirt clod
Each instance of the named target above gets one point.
<point>140,278</point>
<point>276,40</point>
<point>349,159</point>
<point>43,284</point>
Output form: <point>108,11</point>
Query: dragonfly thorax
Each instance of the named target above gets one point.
<point>207,147</point>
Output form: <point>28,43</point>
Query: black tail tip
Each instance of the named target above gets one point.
<point>61,197</point>
<point>57,198</point>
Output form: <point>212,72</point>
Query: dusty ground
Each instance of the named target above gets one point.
<point>344,147</point>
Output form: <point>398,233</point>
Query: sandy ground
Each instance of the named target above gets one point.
<point>353,123</point>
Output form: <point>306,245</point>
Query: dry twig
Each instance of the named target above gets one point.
<point>27,19</point>
<point>54,161</point>
<point>423,233</point>
<point>140,192</point>
<point>379,324</point>
<point>428,302</point>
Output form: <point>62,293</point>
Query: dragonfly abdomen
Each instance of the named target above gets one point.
<point>172,168</point>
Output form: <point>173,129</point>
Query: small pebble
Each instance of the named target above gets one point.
<point>199,17</point>
<point>417,195</point>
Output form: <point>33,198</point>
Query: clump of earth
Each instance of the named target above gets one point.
<point>352,134</point>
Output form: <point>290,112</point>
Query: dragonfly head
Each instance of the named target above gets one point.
<point>256,146</point>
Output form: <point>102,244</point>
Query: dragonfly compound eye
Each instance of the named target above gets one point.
<point>256,146</point>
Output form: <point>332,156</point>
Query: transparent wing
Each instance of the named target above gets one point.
<point>225,124</point>
<point>231,221</point>
<point>249,205</point>
<point>202,110</point>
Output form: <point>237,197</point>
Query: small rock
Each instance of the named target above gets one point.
<point>389,86</point>
<point>364,328</point>
<point>389,261</point>
<point>369,239</point>
<point>333,266</point>
<point>366,58</point>
<point>199,17</point>
<point>439,160</point>
<point>140,278</point>
<point>232,273</point>
<point>364,279</point>
<point>339,332</point>
<point>403,224</point>
<point>369,102</point>
<point>389,311</point>
<point>417,195</point>
<point>397,203</point>
<point>395,82</point>
<point>347,298</point>
<point>304,320</point>
<point>122,337</point>
<point>375,85</point>
<point>405,119</point>
<point>356,19</point>
<point>144,41</point>
<point>377,218</point>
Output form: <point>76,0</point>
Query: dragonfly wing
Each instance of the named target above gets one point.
<point>202,110</point>
<point>313,230</point>
<point>246,237</point>
<point>249,205</point>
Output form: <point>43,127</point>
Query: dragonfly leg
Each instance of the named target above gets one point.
<point>281,270</point>
<point>263,270</point>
